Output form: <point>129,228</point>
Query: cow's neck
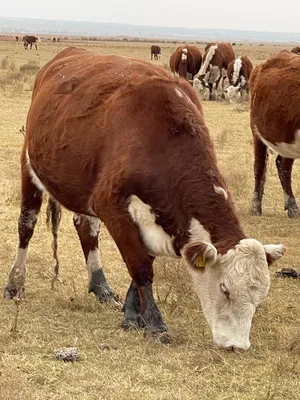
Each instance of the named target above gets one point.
<point>214,214</point>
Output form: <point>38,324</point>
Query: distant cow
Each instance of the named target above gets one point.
<point>142,161</point>
<point>238,72</point>
<point>155,51</point>
<point>186,59</point>
<point>296,50</point>
<point>30,40</point>
<point>54,39</point>
<point>275,123</point>
<point>214,67</point>
<point>17,38</point>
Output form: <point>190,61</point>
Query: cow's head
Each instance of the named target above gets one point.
<point>200,83</point>
<point>233,92</point>
<point>231,286</point>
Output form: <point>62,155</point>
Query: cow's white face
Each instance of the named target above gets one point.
<point>197,85</point>
<point>233,92</point>
<point>231,286</point>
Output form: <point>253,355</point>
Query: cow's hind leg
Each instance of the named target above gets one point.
<point>30,206</point>
<point>88,229</point>
<point>284,168</point>
<point>139,263</point>
<point>260,163</point>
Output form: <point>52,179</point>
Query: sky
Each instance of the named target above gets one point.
<point>262,15</point>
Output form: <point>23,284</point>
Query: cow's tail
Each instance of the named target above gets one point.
<point>53,220</point>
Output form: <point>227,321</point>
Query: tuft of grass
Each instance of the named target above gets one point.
<point>4,63</point>
<point>30,68</point>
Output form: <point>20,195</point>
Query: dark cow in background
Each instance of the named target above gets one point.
<point>296,50</point>
<point>30,40</point>
<point>152,179</point>
<point>186,60</point>
<point>17,38</point>
<point>155,52</point>
<point>275,123</point>
<point>238,72</point>
<point>214,67</point>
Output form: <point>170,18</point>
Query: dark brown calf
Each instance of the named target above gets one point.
<point>275,123</point>
<point>155,51</point>
<point>186,59</point>
<point>30,40</point>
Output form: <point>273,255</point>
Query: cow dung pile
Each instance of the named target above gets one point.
<point>67,354</point>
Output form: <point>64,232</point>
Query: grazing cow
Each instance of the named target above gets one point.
<point>275,123</point>
<point>17,38</point>
<point>296,50</point>
<point>238,72</point>
<point>186,59</point>
<point>214,67</point>
<point>155,51</point>
<point>30,40</point>
<point>54,39</point>
<point>119,140</point>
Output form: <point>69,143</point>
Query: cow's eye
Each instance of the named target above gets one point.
<point>224,290</point>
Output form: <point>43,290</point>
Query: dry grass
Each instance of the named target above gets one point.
<point>115,364</point>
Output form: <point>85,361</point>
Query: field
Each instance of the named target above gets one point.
<point>120,365</point>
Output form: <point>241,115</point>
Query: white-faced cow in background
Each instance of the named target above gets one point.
<point>238,72</point>
<point>214,67</point>
<point>127,144</point>
<point>275,123</point>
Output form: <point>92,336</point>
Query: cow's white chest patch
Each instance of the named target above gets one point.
<point>288,150</point>
<point>156,240</point>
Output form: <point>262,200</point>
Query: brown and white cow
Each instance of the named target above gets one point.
<point>296,50</point>
<point>155,52</point>
<point>185,60</point>
<point>30,40</point>
<point>275,123</point>
<point>214,67</point>
<point>122,141</point>
<point>238,72</point>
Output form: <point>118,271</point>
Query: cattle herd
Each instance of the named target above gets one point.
<point>146,167</point>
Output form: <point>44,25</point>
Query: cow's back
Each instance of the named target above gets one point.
<point>275,95</point>
<point>102,116</point>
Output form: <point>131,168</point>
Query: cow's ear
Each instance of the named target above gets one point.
<point>200,254</point>
<point>273,252</point>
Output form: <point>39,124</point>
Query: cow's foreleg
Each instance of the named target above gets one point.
<point>284,168</point>
<point>88,229</point>
<point>132,309</point>
<point>211,96</point>
<point>30,206</point>
<point>260,164</point>
<point>139,263</point>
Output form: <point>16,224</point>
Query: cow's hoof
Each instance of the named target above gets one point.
<point>160,335</point>
<point>293,212</point>
<point>292,208</point>
<point>104,294</point>
<point>12,291</point>
<point>256,208</point>
<point>133,322</point>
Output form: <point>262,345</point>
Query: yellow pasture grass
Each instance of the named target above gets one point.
<point>124,365</point>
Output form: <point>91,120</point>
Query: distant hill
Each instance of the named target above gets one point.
<point>55,27</point>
